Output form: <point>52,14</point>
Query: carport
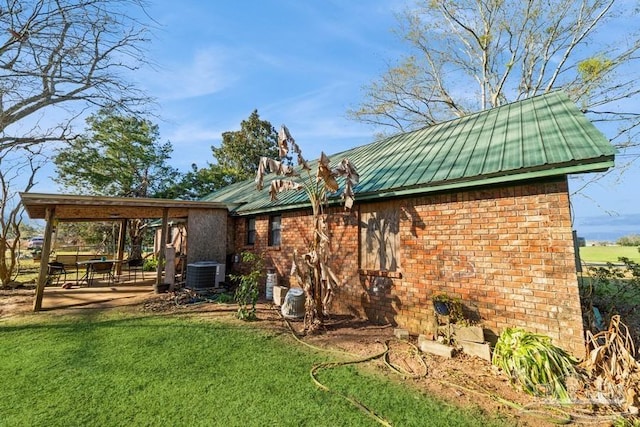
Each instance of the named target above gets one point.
<point>209,219</point>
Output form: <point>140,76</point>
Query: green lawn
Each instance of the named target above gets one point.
<point>608,253</point>
<point>114,369</point>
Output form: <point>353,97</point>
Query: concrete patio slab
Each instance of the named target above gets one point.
<point>97,296</point>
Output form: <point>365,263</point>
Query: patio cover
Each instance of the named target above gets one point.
<point>55,208</point>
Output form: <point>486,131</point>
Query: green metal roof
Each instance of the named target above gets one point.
<point>538,137</point>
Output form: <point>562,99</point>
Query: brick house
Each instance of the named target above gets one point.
<point>477,208</point>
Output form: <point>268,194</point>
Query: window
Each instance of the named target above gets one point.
<point>379,238</point>
<point>274,230</point>
<point>251,231</point>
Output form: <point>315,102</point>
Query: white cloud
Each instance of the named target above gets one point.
<point>207,71</point>
<point>191,133</point>
<point>315,120</point>
<point>362,25</point>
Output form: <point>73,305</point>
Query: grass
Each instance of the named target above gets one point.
<point>608,253</point>
<point>111,369</point>
<point>28,271</point>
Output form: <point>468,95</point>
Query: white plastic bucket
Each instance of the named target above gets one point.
<point>272,280</point>
<point>293,306</point>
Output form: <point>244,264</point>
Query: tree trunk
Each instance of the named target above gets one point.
<point>135,234</point>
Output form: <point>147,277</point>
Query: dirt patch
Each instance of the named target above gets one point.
<point>16,301</point>
<point>463,381</point>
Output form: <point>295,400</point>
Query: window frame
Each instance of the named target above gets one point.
<point>275,230</point>
<point>250,237</point>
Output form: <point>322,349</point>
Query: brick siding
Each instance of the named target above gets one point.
<point>506,252</point>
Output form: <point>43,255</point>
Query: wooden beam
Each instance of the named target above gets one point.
<point>44,261</point>
<point>122,236</point>
<point>99,208</point>
<point>163,239</point>
<point>115,213</point>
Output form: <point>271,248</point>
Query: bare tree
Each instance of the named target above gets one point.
<point>470,55</point>
<point>59,58</point>
<point>19,163</point>
<point>64,56</point>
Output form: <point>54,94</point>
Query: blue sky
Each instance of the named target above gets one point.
<point>303,64</point>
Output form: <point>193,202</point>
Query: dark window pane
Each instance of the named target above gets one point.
<point>274,230</point>
<point>251,231</point>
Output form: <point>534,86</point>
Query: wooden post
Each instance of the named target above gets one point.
<point>122,235</point>
<point>44,261</point>
<point>163,239</point>
<point>170,266</point>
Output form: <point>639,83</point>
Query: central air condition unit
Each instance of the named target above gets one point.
<point>204,274</point>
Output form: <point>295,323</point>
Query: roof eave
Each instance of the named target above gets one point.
<point>478,181</point>
<point>567,169</point>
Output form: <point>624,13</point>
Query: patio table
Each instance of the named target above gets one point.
<point>88,263</point>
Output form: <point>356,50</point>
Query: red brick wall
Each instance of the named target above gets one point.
<point>506,252</point>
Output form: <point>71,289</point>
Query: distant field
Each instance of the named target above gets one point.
<point>608,253</point>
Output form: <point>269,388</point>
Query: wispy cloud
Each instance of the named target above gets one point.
<point>192,133</point>
<point>209,70</point>
<point>315,121</point>
<point>358,21</point>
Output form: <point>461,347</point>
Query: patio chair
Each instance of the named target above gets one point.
<point>132,267</point>
<point>55,270</point>
<point>103,268</point>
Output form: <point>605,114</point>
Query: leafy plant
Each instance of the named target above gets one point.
<point>150,264</point>
<point>614,289</point>
<point>534,363</point>
<point>454,306</point>
<point>224,298</point>
<point>247,292</point>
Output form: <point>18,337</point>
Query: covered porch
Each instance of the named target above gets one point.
<point>207,241</point>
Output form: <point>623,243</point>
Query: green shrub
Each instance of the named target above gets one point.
<point>224,298</point>
<point>534,363</point>
<point>630,240</point>
<point>614,289</point>
<point>150,264</point>
<point>247,292</point>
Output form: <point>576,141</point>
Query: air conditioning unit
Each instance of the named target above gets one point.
<point>204,274</point>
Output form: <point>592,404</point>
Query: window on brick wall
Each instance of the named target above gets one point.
<point>274,230</point>
<point>251,231</point>
<point>379,238</point>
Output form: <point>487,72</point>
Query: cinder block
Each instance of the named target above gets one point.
<point>437,349</point>
<point>481,350</point>
<point>424,337</point>
<point>401,334</point>
<point>468,333</point>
